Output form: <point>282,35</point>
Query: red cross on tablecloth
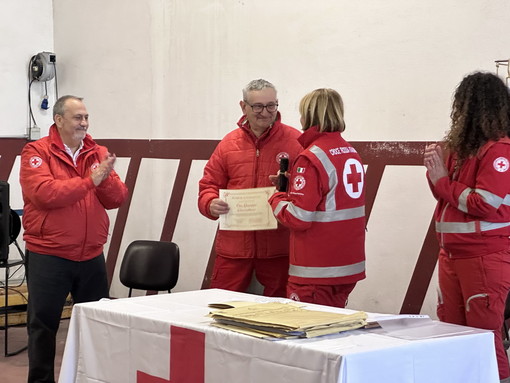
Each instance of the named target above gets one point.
<point>187,358</point>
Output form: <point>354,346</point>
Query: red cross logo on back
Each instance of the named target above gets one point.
<point>353,178</point>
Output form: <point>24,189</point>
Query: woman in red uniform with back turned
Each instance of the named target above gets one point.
<point>473,209</point>
<point>324,207</point>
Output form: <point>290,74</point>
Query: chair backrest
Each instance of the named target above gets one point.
<point>150,265</point>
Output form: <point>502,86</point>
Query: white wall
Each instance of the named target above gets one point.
<point>26,28</point>
<point>175,69</point>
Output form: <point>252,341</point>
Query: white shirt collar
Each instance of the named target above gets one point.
<point>75,155</point>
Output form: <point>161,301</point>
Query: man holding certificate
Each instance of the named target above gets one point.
<point>235,188</point>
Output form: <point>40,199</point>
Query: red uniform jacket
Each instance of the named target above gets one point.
<point>240,161</point>
<point>473,210</point>
<point>64,213</point>
<point>325,210</point>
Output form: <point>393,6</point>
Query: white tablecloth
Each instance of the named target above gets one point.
<point>167,338</point>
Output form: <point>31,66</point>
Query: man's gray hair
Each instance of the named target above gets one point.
<point>256,85</point>
<point>59,107</point>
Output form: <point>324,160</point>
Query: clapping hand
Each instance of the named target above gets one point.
<point>103,170</point>
<point>434,162</point>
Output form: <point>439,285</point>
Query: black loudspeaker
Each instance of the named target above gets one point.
<point>5,216</point>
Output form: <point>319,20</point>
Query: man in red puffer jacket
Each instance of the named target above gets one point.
<point>245,158</point>
<point>68,182</point>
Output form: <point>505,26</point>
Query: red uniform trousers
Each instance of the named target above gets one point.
<point>473,293</point>
<point>235,274</point>
<point>328,295</point>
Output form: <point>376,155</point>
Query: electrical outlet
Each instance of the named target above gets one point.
<point>35,133</point>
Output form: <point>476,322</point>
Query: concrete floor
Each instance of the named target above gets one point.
<point>14,369</point>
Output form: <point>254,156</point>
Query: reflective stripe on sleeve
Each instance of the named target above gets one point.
<point>326,272</point>
<point>468,227</point>
<point>280,206</point>
<point>321,216</point>
<point>492,199</point>
<point>463,200</point>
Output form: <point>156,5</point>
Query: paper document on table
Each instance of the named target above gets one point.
<point>284,320</point>
<point>249,209</point>
<point>414,327</point>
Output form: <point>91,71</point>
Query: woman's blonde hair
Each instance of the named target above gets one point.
<point>323,108</point>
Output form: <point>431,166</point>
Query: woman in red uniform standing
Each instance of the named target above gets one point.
<point>473,209</point>
<point>324,207</point>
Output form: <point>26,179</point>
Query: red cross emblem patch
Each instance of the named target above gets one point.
<point>35,161</point>
<point>501,164</point>
<point>281,155</point>
<point>299,182</point>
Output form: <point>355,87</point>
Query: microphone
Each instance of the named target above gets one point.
<point>282,179</point>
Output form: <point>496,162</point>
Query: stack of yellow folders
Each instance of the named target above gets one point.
<point>283,320</point>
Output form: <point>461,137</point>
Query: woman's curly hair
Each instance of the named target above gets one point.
<point>480,113</point>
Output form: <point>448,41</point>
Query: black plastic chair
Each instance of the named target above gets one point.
<point>150,265</point>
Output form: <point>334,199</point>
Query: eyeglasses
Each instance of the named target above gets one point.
<point>258,108</point>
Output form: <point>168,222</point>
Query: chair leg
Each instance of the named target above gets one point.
<point>130,291</point>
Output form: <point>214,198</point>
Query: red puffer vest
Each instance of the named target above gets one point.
<point>241,161</point>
